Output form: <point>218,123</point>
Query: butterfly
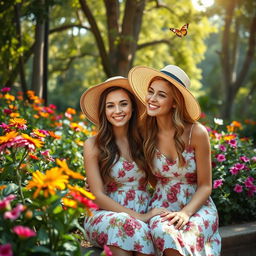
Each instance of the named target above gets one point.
<point>180,32</point>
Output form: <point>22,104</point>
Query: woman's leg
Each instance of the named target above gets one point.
<point>119,252</point>
<point>171,252</point>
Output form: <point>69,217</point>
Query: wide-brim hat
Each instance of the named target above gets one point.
<point>140,77</point>
<point>89,101</point>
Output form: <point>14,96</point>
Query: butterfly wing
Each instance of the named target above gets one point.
<point>180,32</point>
<point>176,31</point>
<point>184,29</point>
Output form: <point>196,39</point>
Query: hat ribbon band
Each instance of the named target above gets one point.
<point>173,76</point>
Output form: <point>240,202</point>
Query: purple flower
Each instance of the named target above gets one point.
<point>217,183</point>
<point>238,188</point>
<point>221,158</point>
<point>222,148</point>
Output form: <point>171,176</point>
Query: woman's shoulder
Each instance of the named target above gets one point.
<point>199,134</point>
<point>90,146</point>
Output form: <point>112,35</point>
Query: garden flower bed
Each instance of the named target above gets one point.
<point>42,199</point>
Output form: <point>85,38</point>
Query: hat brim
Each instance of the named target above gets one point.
<point>140,77</point>
<point>89,101</point>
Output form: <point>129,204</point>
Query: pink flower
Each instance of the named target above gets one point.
<point>47,155</point>
<point>138,247</point>
<point>232,143</point>
<point>239,166</point>
<point>217,183</point>
<point>107,251</point>
<point>14,213</point>
<point>249,182</point>
<point>221,158</point>
<point>6,250</point>
<point>6,127</point>
<point>7,111</point>
<point>23,232</point>
<point>222,148</point>
<point>253,158</point>
<point>238,188</point>
<point>52,106</point>
<point>234,170</point>
<point>102,238</point>
<point>5,203</point>
<point>5,89</point>
<point>244,159</point>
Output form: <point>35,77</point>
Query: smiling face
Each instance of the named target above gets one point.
<point>159,98</point>
<point>118,108</point>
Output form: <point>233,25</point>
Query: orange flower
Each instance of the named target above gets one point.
<point>38,133</point>
<point>8,136</point>
<point>63,165</point>
<point>54,135</point>
<point>14,115</point>
<point>43,114</point>
<point>81,191</point>
<point>19,123</point>
<point>10,97</point>
<point>2,187</point>
<point>229,137</point>
<point>49,182</point>
<point>69,202</point>
<point>71,111</point>
<point>36,142</point>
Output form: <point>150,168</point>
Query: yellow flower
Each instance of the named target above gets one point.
<point>10,97</point>
<point>76,126</point>
<point>43,114</point>
<point>50,181</point>
<point>54,135</point>
<point>38,133</point>
<point>229,137</point>
<point>8,136</point>
<point>79,143</point>
<point>63,165</point>
<point>69,202</point>
<point>18,122</point>
<point>81,191</point>
<point>38,143</point>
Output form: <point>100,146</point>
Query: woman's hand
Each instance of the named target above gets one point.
<point>180,218</point>
<point>145,217</point>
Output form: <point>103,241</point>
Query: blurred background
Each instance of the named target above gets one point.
<point>58,48</point>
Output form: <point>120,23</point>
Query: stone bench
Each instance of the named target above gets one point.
<point>237,240</point>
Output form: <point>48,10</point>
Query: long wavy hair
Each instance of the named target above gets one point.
<point>109,152</point>
<point>179,116</point>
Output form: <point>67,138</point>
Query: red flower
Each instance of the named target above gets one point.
<point>102,238</point>
<point>138,247</point>
<point>199,243</point>
<point>127,166</point>
<point>159,242</point>
<point>191,178</point>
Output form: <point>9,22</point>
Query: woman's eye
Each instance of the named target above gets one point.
<point>162,95</point>
<point>110,106</point>
<point>124,104</point>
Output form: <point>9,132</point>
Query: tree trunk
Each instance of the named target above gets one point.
<point>37,74</point>
<point>21,59</point>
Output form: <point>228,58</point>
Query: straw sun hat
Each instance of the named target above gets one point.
<point>140,77</point>
<point>89,101</point>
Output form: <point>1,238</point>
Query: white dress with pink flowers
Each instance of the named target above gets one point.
<point>120,229</point>
<point>175,188</point>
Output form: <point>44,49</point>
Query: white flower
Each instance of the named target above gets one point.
<point>218,121</point>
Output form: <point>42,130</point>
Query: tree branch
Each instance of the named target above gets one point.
<point>68,26</point>
<point>99,40</point>
<point>163,41</point>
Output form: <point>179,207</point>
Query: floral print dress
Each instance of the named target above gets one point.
<point>175,188</point>
<point>120,229</point>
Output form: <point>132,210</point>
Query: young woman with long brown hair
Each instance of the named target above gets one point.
<point>177,149</point>
<point>116,170</point>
